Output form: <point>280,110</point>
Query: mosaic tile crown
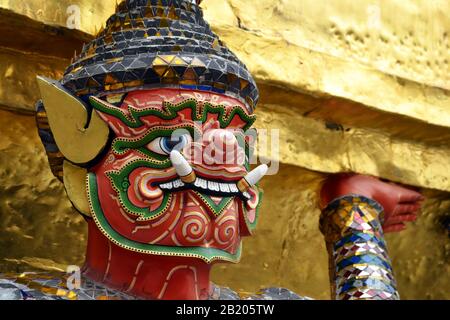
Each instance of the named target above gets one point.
<point>159,43</point>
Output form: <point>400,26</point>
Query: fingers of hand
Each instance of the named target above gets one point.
<point>400,218</point>
<point>407,196</point>
<point>409,208</point>
<point>403,213</point>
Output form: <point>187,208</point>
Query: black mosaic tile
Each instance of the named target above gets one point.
<point>153,28</point>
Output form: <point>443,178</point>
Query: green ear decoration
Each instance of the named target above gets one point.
<point>80,135</point>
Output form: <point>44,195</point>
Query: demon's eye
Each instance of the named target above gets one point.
<point>164,145</point>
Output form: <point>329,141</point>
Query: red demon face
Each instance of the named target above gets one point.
<point>176,179</point>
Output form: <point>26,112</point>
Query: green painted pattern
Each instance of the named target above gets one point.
<point>217,209</point>
<point>170,111</point>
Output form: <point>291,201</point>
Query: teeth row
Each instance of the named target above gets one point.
<point>203,184</point>
<point>216,186</point>
<point>172,185</point>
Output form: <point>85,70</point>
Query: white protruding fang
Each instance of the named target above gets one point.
<point>256,174</point>
<point>181,165</point>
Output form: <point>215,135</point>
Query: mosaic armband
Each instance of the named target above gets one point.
<point>359,264</point>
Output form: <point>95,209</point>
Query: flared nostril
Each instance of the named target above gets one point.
<point>222,146</point>
<point>217,147</point>
<point>220,137</point>
<point>223,141</point>
<point>228,138</point>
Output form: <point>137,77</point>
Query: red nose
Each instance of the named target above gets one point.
<point>220,147</point>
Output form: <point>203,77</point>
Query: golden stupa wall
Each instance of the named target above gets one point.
<point>352,86</point>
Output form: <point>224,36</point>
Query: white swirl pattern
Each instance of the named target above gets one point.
<point>225,231</point>
<point>195,227</point>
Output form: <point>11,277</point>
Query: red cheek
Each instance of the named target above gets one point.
<point>147,190</point>
<point>252,204</point>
